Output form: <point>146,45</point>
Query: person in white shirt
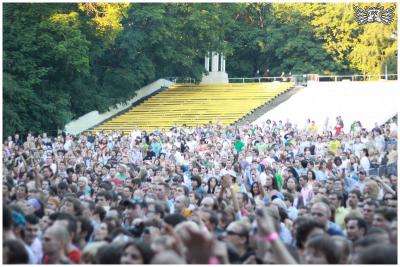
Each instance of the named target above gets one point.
<point>365,161</point>
<point>358,147</point>
<point>31,238</point>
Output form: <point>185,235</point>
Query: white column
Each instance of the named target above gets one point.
<point>217,74</point>
<point>207,62</point>
<point>222,63</point>
<point>214,62</point>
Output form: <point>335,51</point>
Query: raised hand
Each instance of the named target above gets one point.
<point>200,246</point>
<point>177,245</point>
<point>220,250</point>
<point>265,223</point>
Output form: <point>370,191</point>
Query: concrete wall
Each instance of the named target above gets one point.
<point>94,117</point>
<point>215,77</point>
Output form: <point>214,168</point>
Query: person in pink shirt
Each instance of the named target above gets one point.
<point>306,189</point>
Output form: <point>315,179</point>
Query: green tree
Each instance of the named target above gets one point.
<point>358,48</point>
<point>25,75</point>
<point>249,40</point>
<point>377,46</point>
<point>105,19</point>
<point>274,37</point>
<point>63,60</point>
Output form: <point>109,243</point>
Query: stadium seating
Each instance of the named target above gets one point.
<point>196,104</point>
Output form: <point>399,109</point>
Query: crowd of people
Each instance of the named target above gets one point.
<point>256,194</point>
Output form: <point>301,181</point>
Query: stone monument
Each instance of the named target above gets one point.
<point>217,73</point>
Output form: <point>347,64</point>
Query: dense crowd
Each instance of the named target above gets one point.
<point>256,194</point>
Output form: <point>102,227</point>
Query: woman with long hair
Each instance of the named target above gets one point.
<point>292,187</point>
<point>212,183</point>
<point>257,191</point>
<point>364,161</point>
<point>311,176</point>
<point>136,252</point>
<point>270,184</point>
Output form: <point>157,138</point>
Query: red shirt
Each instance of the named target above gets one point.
<point>338,128</point>
<point>74,255</point>
<point>117,180</point>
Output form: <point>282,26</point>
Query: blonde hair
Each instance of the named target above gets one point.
<point>90,251</point>
<point>371,189</point>
<point>142,174</point>
<point>353,214</point>
<point>84,179</point>
<point>55,201</point>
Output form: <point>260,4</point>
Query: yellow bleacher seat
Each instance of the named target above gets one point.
<point>196,104</point>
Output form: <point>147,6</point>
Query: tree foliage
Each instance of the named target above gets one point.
<point>62,60</point>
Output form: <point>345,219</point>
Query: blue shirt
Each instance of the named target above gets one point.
<point>334,229</point>
<point>156,147</point>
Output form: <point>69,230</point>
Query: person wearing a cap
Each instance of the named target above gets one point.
<point>228,199</point>
<point>237,235</point>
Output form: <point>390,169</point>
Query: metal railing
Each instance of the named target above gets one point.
<point>260,79</point>
<point>181,79</point>
<point>354,78</point>
<point>381,170</point>
<point>301,79</point>
<point>304,78</point>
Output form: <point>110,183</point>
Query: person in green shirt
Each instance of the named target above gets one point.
<point>238,144</point>
<point>261,146</point>
<point>335,199</point>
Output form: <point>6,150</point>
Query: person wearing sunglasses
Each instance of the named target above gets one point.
<point>237,236</point>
